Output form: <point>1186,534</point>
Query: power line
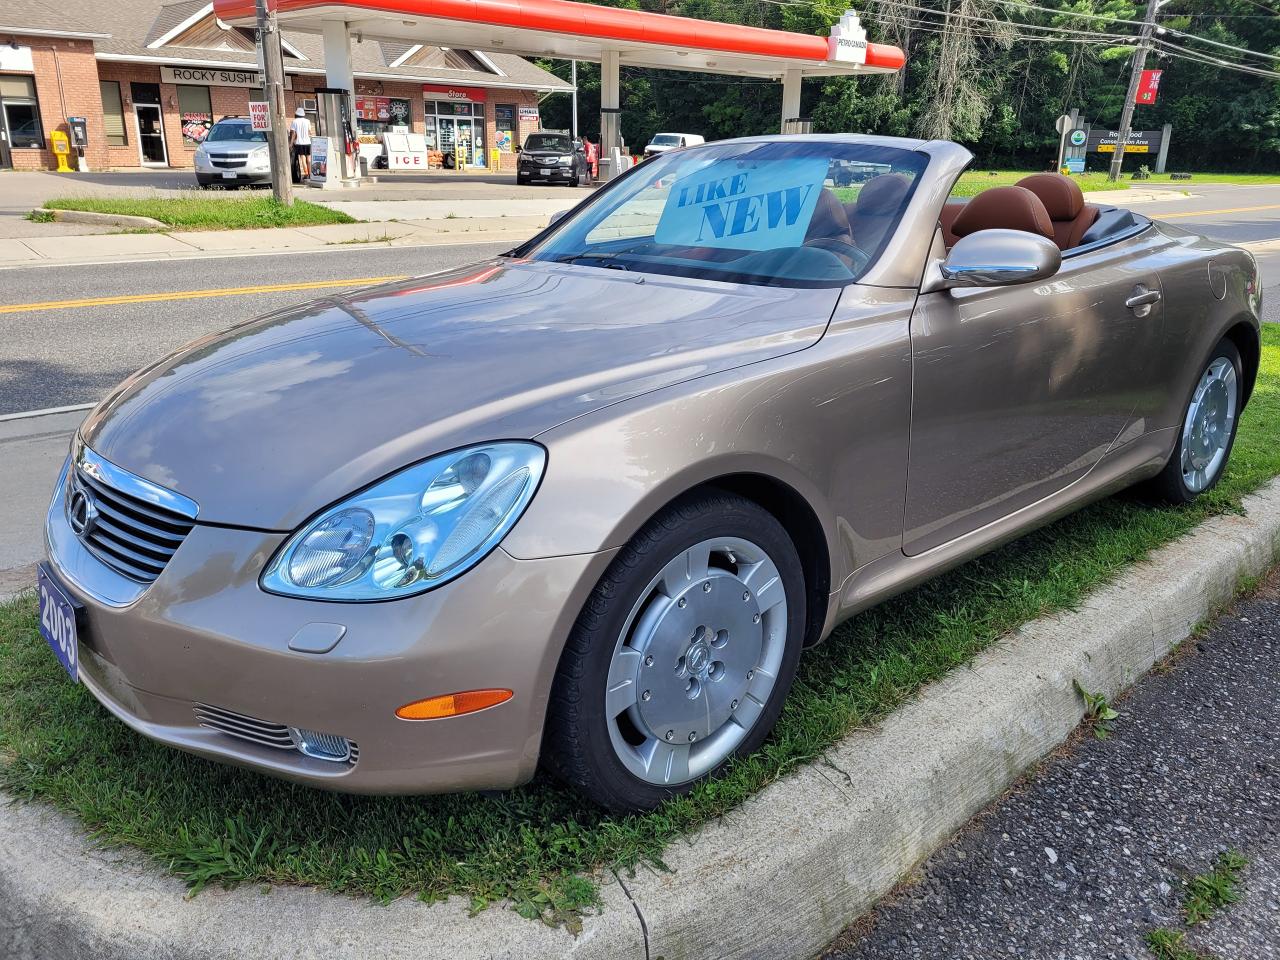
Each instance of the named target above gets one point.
<point>1182,53</point>
<point>1224,46</point>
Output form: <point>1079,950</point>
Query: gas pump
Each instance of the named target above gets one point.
<point>79,128</point>
<point>334,107</point>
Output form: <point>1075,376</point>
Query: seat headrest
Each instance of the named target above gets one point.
<point>1061,196</point>
<point>829,221</point>
<point>880,196</point>
<point>1005,208</point>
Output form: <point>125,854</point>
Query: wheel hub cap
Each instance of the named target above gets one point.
<point>696,661</point>
<point>1208,427</point>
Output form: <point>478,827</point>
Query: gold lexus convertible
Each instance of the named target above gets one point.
<point>586,504</point>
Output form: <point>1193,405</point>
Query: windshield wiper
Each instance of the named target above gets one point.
<point>610,258</point>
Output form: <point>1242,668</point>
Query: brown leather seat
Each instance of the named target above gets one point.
<point>1003,208</point>
<point>873,213</point>
<point>829,221</point>
<point>1064,201</point>
<point>950,210</point>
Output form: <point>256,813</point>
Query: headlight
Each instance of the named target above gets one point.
<point>564,159</point>
<point>413,531</point>
<point>262,154</point>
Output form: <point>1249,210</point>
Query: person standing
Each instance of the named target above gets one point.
<point>300,142</point>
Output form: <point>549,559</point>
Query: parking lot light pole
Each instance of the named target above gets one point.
<point>273,75</point>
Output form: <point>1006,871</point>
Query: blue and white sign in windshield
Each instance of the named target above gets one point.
<point>764,205</point>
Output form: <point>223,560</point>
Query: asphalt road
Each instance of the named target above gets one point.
<point>57,357</point>
<point>1092,852</point>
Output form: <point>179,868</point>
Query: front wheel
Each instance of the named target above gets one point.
<point>1208,430</point>
<point>682,657</point>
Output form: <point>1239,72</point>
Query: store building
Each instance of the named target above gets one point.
<point>150,79</point>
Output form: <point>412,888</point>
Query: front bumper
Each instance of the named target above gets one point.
<point>557,173</point>
<point>204,633</point>
<point>241,177</point>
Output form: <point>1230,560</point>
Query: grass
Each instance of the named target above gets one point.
<point>1242,178</point>
<point>1207,893</point>
<point>207,213</point>
<point>211,824</point>
<point>1166,944</point>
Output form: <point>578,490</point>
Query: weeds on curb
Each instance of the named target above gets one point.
<point>41,216</point>
<point>1168,944</point>
<point>1210,892</point>
<point>1098,713</point>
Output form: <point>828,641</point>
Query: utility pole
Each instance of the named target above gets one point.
<point>1139,62</point>
<point>273,77</point>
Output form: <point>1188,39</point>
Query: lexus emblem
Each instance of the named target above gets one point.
<point>81,513</point>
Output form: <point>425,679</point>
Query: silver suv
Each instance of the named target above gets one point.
<point>233,154</point>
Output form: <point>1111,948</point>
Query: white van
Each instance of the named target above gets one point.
<point>662,142</point>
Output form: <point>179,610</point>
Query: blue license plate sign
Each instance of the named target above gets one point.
<point>58,621</point>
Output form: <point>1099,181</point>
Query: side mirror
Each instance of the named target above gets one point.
<point>992,258</point>
<point>556,218</point>
<point>519,149</point>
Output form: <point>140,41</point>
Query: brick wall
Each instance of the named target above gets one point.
<point>66,78</point>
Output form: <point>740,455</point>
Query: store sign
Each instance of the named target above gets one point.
<point>259,115</point>
<point>216,78</point>
<point>529,115</point>
<point>475,94</point>
<point>1148,87</point>
<point>848,40</point>
<point>1140,141</point>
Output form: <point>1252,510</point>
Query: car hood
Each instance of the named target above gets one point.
<point>274,419</point>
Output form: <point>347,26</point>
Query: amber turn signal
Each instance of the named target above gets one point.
<point>452,704</point>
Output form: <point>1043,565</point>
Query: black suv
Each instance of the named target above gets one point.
<point>554,158</point>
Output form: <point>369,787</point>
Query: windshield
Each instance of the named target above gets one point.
<point>775,212</point>
<point>542,141</point>
<point>664,140</point>
<point>242,130</point>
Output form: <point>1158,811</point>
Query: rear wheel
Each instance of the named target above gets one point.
<point>1208,430</point>
<point>682,657</point>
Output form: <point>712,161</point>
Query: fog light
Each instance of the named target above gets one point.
<point>321,746</point>
<point>452,704</point>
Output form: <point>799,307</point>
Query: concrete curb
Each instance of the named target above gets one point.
<point>111,219</point>
<point>785,873</point>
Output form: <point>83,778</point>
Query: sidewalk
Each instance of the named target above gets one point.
<point>95,248</point>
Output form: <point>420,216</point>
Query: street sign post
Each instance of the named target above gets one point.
<point>1063,124</point>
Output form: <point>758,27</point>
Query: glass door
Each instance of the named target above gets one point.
<point>151,145</point>
<point>465,140</point>
<point>446,134</point>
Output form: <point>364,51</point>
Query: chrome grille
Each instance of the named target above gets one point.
<point>278,736</point>
<point>132,536</point>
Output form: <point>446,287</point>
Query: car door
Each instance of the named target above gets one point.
<point>1020,390</point>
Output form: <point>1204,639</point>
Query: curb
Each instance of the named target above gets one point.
<point>108,219</point>
<point>779,877</point>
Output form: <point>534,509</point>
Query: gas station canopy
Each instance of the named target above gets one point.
<point>581,31</point>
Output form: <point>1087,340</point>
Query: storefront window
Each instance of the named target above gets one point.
<point>21,112</point>
<point>113,114</point>
<point>196,112</point>
<point>505,120</point>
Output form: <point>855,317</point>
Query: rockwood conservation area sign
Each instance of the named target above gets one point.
<point>1140,141</point>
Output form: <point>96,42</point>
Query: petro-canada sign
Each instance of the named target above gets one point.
<point>848,41</point>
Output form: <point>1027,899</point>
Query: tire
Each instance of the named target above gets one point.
<point>627,704</point>
<point>573,180</point>
<point>521,180</point>
<point>1200,456</point>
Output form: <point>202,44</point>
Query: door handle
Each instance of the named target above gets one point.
<point>1142,297</point>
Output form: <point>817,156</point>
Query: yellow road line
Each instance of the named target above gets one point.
<point>192,294</point>
<point>1209,213</point>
